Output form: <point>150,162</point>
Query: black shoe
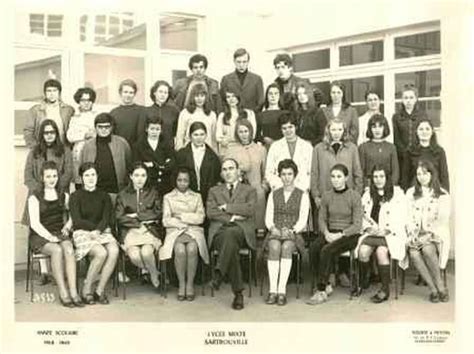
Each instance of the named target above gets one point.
<point>101,299</point>
<point>217,281</point>
<point>66,303</point>
<point>356,291</point>
<point>379,297</point>
<point>271,299</point>
<point>88,299</point>
<point>281,300</point>
<point>77,302</point>
<point>145,278</point>
<point>434,297</point>
<point>181,297</point>
<point>44,279</point>
<point>238,303</point>
<point>190,297</point>
<point>444,296</point>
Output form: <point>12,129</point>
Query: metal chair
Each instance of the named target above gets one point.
<point>32,257</point>
<point>243,252</point>
<point>402,287</point>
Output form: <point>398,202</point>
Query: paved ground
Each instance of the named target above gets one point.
<point>143,304</point>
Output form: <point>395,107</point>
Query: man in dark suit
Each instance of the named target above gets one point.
<point>198,65</point>
<point>230,209</point>
<point>247,85</point>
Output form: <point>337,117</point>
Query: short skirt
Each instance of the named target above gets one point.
<point>422,239</point>
<point>139,237</point>
<point>84,241</point>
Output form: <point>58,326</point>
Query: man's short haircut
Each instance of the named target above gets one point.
<point>52,83</point>
<point>128,82</point>
<point>241,52</point>
<point>230,159</point>
<point>285,58</point>
<point>197,58</point>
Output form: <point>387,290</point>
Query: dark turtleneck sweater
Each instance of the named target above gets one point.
<point>104,161</point>
<point>241,76</point>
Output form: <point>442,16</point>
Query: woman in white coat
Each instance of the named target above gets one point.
<point>428,228</point>
<point>383,226</point>
<point>291,146</point>
<point>183,214</point>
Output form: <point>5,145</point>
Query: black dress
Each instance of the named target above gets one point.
<point>51,217</point>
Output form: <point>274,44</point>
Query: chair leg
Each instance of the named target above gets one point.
<point>164,272</point>
<point>311,272</point>
<point>32,281</point>
<point>396,279</point>
<point>255,269</point>
<point>203,267</point>
<point>250,272</point>
<point>351,273</point>
<point>124,283</point>
<point>445,280</point>
<point>212,273</point>
<point>402,288</point>
<point>28,265</point>
<point>298,274</point>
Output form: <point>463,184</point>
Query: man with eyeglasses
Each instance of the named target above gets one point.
<point>52,107</point>
<point>110,153</point>
<point>181,90</point>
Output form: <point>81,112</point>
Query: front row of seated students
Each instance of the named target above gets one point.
<point>384,221</point>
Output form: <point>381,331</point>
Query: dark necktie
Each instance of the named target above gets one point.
<point>231,189</point>
<point>336,147</point>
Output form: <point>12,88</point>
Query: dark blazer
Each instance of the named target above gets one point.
<point>404,128</point>
<point>169,114</point>
<point>210,172</point>
<point>251,91</point>
<point>164,162</point>
<point>242,203</point>
<point>180,90</point>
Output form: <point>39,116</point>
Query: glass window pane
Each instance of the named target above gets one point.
<point>418,45</point>
<point>37,23</point>
<point>177,74</point>
<point>32,68</point>
<point>315,60</point>
<point>21,117</point>
<point>117,30</point>
<point>105,72</point>
<point>431,107</point>
<point>361,53</point>
<point>356,88</point>
<point>428,82</point>
<point>178,33</point>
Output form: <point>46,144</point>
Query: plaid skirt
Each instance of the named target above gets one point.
<point>84,241</point>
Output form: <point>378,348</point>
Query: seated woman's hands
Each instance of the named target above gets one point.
<point>332,236</point>
<point>132,215</point>
<point>95,234</point>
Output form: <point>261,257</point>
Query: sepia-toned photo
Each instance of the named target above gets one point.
<point>215,174</point>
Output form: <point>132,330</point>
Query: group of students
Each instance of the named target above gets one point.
<point>208,168</point>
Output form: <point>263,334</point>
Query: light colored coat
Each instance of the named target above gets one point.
<point>433,214</point>
<point>303,156</point>
<point>392,217</point>
<point>191,209</point>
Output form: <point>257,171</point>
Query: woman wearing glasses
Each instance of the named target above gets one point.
<point>111,154</point>
<point>81,127</point>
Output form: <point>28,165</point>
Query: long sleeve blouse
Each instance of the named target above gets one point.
<point>91,210</point>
